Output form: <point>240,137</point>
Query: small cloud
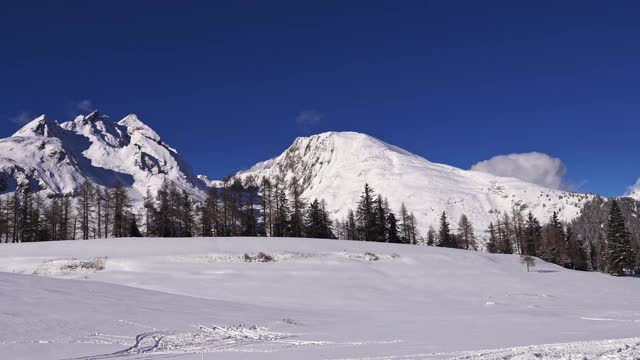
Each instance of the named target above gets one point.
<point>533,167</point>
<point>85,106</point>
<point>22,118</point>
<point>309,118</point>
<point>634,190</point>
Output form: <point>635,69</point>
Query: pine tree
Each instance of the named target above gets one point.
<point>149,214</point>
<point>267,206</point>
<point>553,247</point>
<point>281,216</point>
<point>317,224</point>
<point>351,226</point>
<point>444,235</point>
<point>296,222</point>
<point>532,235</point>
<point>120,227</point>
<point>492,242</point>
<point>431,236</point>
<point>620,255</point>
<point>466,235</point>
<point>86,199</point>
<point>187,215</point>
<point>365,215</point>
<point>250,214</point>
<point>392,229</point>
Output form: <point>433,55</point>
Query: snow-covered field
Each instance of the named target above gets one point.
<point>318,299</point>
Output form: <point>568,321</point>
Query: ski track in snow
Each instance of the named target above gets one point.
<point>318,299</point>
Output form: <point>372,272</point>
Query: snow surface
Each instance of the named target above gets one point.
<point>335,166</point>
<point>194,298</point>
<point>58,158</point>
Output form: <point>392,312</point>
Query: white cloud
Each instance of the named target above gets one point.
<point>309,118</point>
<point>85,106</point>
<point>21,119</point>
<point>634,190</point>
<point>534,167</point>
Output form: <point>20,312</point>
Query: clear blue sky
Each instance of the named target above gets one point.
<point>454,81</point>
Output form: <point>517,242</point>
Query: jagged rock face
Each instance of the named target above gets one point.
<point>335,166</point>
<point>57,158</point>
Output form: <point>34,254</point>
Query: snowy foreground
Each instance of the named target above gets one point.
<point>319,299</point>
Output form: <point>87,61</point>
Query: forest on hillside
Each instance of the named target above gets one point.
<point>605,237</point>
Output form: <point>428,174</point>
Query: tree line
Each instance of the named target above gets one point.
<point>94,212</point>
<point>605,237</point>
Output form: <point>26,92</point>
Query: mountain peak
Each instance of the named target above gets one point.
<point>40,126</point>
<point>135,125</point>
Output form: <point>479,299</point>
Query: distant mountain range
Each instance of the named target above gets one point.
<point>56,158</point>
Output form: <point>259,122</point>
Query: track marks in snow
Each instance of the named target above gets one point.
<point>583,350</point>
<point>203,339</point>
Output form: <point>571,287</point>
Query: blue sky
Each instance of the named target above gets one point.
<point>457,82</point>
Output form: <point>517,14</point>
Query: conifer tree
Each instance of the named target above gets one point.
<point>392,229</point>
<point>296,222</point>
<point>620,256</point>
<point>466,235</point>
<point>86,198</point>
<point>532,235</point>
<point>492,242</point>
<point>431,236</point>
<point>365,215</point>
<point>317,224</point>
<point>351,226</point>
<point>281,216</point>
<point>444,235</point>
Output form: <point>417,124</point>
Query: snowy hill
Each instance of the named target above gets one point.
<point>335,166</point>
<point>57,158</point>
<point>317,299</point>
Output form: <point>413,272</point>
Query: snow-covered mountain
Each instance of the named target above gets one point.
<point>56,158</point>
<point>335,166</point>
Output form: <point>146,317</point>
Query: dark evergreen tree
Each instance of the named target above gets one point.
<point>466,235</point>
<point>532,235</point>
<point>392,231</point>
<point>620,255</point>
<point>365,215</point>
<point>445,239</point>
<point>492,241</point>
<point>317,224</point>
<point>297,206</point>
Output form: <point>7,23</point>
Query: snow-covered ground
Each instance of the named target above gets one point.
<point>319,299</point>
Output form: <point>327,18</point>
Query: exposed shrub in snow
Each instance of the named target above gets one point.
<point>371,256</point>
<point>260,257</point>
<point>96,264</point>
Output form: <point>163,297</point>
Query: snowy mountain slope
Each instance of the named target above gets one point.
<point>319,299</point>
<point>57,158</point>
<point>335,166</point>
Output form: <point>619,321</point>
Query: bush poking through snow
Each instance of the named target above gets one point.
<point>70,266</point>
<point>260,257</point>
<point>96,264</point>
<point>369,256</point>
